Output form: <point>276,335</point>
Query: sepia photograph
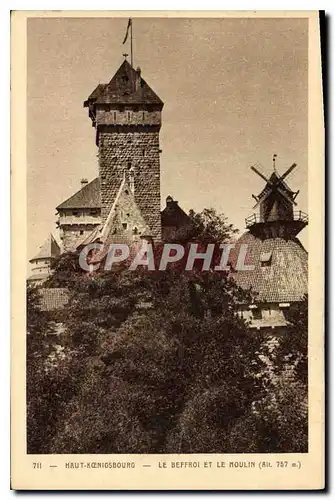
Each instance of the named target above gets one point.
<point>198,141</point>
<point>167,212</point>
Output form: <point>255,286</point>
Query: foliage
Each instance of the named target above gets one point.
<point>282,411</point>
<point>51,375</point>
<point>66,270</point>
<point>145,363</point>
<point>209,226</point>
<point>155,362</point>
<point>294,347</point>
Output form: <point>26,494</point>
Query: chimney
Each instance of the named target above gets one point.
<point>138,78</point>
<point>83,182</point>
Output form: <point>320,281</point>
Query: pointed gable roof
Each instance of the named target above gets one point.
<point>97,91</point>
<point>49,250</point>
<point>87,197</point>
<point>122,89</point>
<point>112,230</point>
<point>124,195</point>
<point>174,215</point>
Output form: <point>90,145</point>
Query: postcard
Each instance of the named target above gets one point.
<point>167,251</point>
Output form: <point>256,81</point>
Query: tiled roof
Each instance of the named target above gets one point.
<point>87,197</point>
<point>49,249</point>
<point>97,91</point>
<point>121,89</point>
<point>283,278</point>
<point>52,299</point>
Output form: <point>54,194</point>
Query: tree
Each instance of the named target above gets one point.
<point>66,270</point>
<point>38,349</point>
<point>281,414</point>
<point>145,366</point>
<point>209,226</point>
<point>293,349</point>
<point>52,374</point>
<point>160,361</point>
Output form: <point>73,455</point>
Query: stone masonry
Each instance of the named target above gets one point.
<point>126,114</point>
<point>133,153</point>
<point>73,234</point>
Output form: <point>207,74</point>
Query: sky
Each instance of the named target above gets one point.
<point>235,93</point>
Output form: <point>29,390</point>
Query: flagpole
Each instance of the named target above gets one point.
<point>131,43</point>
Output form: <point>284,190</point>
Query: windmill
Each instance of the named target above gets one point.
<point>278,273</point>
<point>276,201</point>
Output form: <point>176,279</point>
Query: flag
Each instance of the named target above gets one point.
<point>129,25</point>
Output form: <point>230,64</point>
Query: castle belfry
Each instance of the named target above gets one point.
<point>126,114</point>
<point>122,205</point>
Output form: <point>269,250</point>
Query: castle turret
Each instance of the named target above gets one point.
<point>41,263</point>
<point>126,114</point>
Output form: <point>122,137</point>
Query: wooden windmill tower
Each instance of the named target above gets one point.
<point>276,203</point>
<point>278,273</point>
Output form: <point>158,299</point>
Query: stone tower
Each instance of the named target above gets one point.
<point>79,214</point>
<point>41,263</point>
<point>126,114</point>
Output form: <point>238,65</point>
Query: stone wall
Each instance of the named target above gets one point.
<point>71,235</point>
<point>79,216</point>
<point>129,224</point>
<point>135,148</point>
<point>264,315</point>
<point>128,115</point>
